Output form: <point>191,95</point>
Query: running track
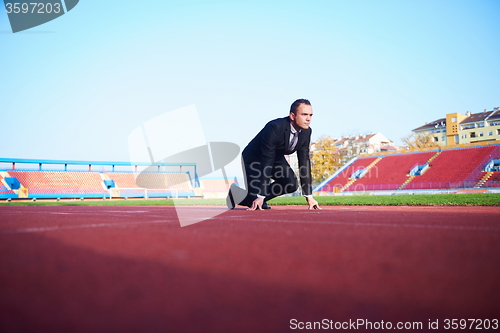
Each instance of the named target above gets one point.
<point>134,269</point>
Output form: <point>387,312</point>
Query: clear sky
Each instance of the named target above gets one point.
<point>76,87</point>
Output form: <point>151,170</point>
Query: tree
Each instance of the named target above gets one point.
<point>423,140</point>
<point>349,150</point>
<point>325,159</point>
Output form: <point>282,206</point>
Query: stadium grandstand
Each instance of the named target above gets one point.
<point>466,167</point>
<point>215,187</point>
<point>59,179</point>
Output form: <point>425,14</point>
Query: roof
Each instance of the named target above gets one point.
<point>435,124</point>
<point>357,138</point>
<point>363,137</point>
<point>473,117</point>
<point>476,117</point>
<point>495,115</point>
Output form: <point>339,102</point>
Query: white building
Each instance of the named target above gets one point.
<point>459,128</point>
<point>364,144</point>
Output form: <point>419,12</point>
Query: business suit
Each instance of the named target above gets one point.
<point>264,158</point>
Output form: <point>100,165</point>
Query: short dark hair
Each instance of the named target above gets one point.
<point>295,105</point>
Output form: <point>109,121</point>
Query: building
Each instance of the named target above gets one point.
<point>364,144</point>
<point>457,128</point>
<point>352,146</point>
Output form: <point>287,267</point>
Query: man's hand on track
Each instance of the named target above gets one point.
<point>313,204</point>
<point>257,204</point>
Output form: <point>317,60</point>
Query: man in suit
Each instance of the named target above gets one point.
<point>264,159</point>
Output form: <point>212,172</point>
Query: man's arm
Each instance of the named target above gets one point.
<point>305,173</point>
<point>305,165</point>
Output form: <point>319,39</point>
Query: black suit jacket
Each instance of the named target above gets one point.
<point>269,148</point>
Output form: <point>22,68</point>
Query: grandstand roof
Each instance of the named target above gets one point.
<point>35,161</point>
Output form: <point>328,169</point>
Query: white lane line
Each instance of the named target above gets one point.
<point>370,224</point>
<point>83,226</point>
<point>127,211</point>
<point>97,214</point>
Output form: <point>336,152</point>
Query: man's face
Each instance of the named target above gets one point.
<point>302,118</point>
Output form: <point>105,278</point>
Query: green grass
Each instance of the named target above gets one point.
<point>117,202</point>
<point>466,199</point>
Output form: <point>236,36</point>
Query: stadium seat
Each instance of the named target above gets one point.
<point>448,169</point>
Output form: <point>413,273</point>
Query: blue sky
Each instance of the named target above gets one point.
<point>76,87</point>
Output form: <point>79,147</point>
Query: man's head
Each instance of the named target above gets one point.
<point>301,114</point>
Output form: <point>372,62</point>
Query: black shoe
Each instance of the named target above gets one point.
<point>230,200</point>
<point>266,206</point>
<point>235,195</point>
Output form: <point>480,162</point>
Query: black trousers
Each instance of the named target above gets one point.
<point>284,181</point>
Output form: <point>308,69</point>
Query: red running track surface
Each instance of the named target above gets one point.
<point>134,269</point>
